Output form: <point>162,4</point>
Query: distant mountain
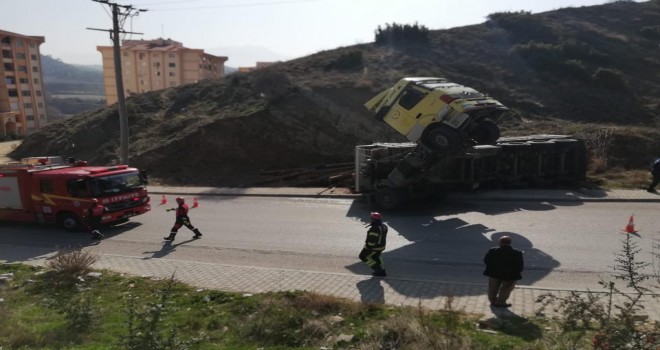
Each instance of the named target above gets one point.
<point>68,79</point>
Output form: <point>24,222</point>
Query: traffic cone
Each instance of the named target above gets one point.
<point>163,200</point>
<point>630,228</point>
<point>195,203</point>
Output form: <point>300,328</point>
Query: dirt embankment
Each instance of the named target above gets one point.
<point>5,148</point>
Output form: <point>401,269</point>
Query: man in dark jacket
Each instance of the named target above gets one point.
<point>375,244</point>
<point>655,171</point>
<point>503,268</point>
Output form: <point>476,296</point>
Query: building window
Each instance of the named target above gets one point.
<point>29,117</point>
<point>171,55</point>
<point>32,45</point>
<point>10,80</point>
<point>14,106</point>
<point>22,68</point>
<point>12,93</point>
<point>18,42</point>
<point>172,64</point>
<point>40,105</point>
<point>157,74</point>
<point>42,116</point>
<point>9,67</point>
<point>142,82</point>
<point>141,55</point>
<point>172,74</point>
<point>27,105</point>
<point>33,57</point>
<point>35,69</point>
<point>38,92</point>
<point>20,56</point>
<point>157,64</point>
<point>6,54</point>
<point>6,40</point>
<point>23,80</point>
<point>125,54</point>
<point>36,81</point>
<point>25,93</point>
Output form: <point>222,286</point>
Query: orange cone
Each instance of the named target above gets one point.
<point>195,204</point>
<point>630,228</point>
<point>163,200</point>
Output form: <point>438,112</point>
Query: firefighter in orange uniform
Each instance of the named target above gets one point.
<point>182,219</point>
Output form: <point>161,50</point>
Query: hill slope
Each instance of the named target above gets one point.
<point>591,71</point>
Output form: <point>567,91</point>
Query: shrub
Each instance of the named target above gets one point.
<point>402,35</point>
<point>522,26</point>
<point>348,61</point>
<point>614,325</point>
<point>71,262</point>
<point>650,32</point>
<point>611,79</point>
<point>576,69</point>
<point>540,55</point>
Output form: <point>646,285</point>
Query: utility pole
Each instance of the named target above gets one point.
<point>117,12</point>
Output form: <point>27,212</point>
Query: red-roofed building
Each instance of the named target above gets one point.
<point>149,65</point>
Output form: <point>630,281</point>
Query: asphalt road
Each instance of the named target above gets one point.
<point>567,245</point>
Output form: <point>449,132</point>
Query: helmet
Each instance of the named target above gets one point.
<point>179,200</point>
<point>376,216</point>
<point>95,201</point>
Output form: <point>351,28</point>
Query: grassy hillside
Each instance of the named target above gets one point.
<point>589,71</point>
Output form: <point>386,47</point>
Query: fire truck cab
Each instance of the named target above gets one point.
<point>47,190</point>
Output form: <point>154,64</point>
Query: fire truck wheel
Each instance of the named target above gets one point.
<point>442,138</point>
<point>485,133</point>
<point>69,221</point>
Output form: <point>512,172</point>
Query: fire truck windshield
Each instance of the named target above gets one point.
<point>119,183</point>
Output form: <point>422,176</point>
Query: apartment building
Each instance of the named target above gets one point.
<point>22,95</point>
<point>149,65</point>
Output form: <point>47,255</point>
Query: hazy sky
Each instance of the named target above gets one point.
<point>245,30</point>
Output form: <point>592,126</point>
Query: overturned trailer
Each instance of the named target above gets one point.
<point>391,173</point>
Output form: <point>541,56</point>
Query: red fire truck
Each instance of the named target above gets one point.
<point>47,190</point>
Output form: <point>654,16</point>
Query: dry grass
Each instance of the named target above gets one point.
<point>72,262</point>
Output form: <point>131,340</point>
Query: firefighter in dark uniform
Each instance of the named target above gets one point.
<point>375,244</point>
<point>94,217</point>
<point>182,219</point>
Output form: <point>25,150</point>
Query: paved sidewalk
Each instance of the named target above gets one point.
<point>469,297</point>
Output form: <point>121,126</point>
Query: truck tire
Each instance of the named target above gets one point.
<point>387,198</point>
<point>442,138</point>
<point>485,133</point>
<point>69,221</point>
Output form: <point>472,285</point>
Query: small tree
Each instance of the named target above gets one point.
<point>402,35</point>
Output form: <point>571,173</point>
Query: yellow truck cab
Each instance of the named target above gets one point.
<point>441,115</point>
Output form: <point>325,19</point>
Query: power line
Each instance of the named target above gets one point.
<point>235,5</point>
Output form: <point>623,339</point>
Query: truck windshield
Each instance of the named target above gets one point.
<point>119,183</point>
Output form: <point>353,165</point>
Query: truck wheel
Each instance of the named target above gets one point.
<point>442,138</point>
<point>69,221</point>
<point>485,133</point>
<point>387,198</point>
